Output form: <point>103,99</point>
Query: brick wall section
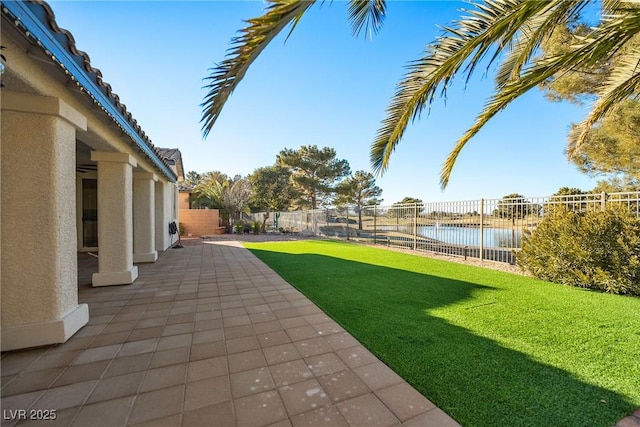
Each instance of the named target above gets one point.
<point>200,222</point>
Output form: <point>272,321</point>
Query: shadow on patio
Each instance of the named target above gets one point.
<point>207,335</point>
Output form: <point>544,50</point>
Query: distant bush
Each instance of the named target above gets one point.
<point>257,227</point>
<point>593,249</point>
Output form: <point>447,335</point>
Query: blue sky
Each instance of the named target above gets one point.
<point>324,87</point>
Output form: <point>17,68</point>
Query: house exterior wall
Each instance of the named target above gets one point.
<point>44,115</point>
<point>39,268</point>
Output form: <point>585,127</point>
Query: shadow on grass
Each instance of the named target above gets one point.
<point>474,379</point>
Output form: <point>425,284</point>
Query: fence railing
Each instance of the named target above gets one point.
<point>488,229</point>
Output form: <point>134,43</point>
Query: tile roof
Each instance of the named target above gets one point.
<point>65,39</point>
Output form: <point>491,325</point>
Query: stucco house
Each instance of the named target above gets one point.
<point>77,174</point>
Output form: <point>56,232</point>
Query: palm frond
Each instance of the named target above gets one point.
<point>531,35</point>
<point>367,15</point>
<point>490,26</point>
<point>604,41</point>
<point>246,47</point>
<point>624,80</point>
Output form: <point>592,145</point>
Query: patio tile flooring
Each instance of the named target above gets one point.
<point>207,336</point>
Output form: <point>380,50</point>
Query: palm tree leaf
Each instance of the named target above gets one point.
<point>246,47</point>
<point>605,40</point>
<point>467,41</point>
<point>367,15</point>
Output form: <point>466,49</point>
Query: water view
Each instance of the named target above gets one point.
<point>467,236</point>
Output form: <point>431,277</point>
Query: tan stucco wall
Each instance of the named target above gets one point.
<point>200,222</point>
<point>38,218</point>
<point>99,135</point>
<point>183,200</point>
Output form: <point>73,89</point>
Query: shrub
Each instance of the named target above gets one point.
<point>593,249</point>
<point>257,227</point>
<point>239,227</point>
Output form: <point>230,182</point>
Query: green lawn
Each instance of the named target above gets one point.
<point>489,348</point>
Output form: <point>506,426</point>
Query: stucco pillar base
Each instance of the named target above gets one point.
<point>114,278</point>
<point>45,333</point>
<point>152,257</point>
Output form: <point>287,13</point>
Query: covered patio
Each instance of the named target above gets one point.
<point>208,335</point>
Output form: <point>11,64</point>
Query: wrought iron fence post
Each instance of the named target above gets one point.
<point>415,227</point>
<point>481,229</point>
<point>347,222</point>
<point>375,228</point>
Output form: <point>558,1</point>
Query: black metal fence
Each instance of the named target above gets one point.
<point>488,229</point>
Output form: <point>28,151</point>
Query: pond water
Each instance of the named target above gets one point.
<point>468,236</point>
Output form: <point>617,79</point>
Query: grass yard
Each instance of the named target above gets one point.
<point>487,347</point>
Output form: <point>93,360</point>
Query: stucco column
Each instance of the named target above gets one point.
<point>38,250</point>
<point>163,199</point>
<point>115,219</point>
<point>144,220</point>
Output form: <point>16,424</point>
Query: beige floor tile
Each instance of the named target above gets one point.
<point>377,375</point>
<point>342,340</point>
<point>328,416</point>
<point>356,356</point>
<point>127,365</point>
<point>210,391</point>
<point>170,357</point>
<point>115,387</point>
<point>174,341</point>
<point>262,317</point>
<point>220,415</point>
<point>164,377</point>
<point>343,385</point>
<point>246,360</point>
<point>111,413</point>
<point>404,401</point>
<point>270,339</point>
<point>170,421</point>
<point>97,354</point>
<point>110,339</point>
<point>207,350</point>
<point>66,396</point>
<point>138,347</point>
<point>303,397</point>
<point>251,382</point>
<point>313,346</point>
<point>211,335</point>
<point>259,409</point>
<point>53,360</point>
<point>145,333</point>
<point>157,404</point>
<point>300,333</point>
<point>264,327</point>
<point>328,328</point>
<point>432,418</point>
<point>207,368</point>
<point>84,372</point>
<point>367,410</point>
<point>281,353</point>
<point>290,373</point>
<point>178,329</point>
<point>31,381</point>
<point>238,332</point>
<point>325,364</point>
<point>21,401</point>
<point>236,320</point>
<point>239,345</point>
<point>294,322</point>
